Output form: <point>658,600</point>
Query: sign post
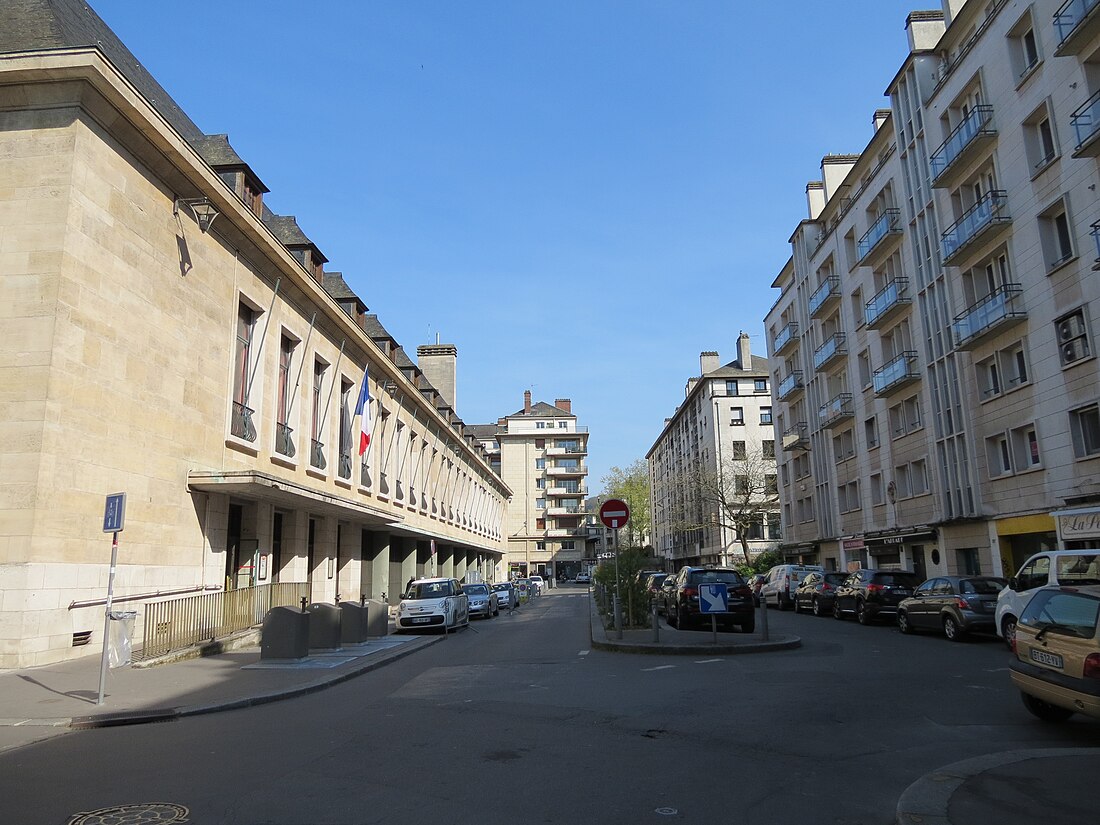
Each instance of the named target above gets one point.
<point>614,513</point>
<point>114,518</point>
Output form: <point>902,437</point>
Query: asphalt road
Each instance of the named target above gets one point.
<point>515,720</point>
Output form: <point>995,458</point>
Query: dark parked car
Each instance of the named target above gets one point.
<point>872,593</point>
<point>755,582</point>
<point>682,604</point>
<point>955,605</point>
<point>653,584</point>
<point>817,592</point>
<point>664,594</point>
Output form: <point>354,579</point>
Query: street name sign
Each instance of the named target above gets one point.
<point>614,513</point>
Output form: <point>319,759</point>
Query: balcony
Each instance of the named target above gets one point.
<point>1077,22</point>
<point>790,385</point>
<point>1096,242</point>
<point>241,424</point>
<point>568,470</point>
<point>785,338</point>
<point>896,374</point>
<point>889,301</point>
<point>317,454</point>
<point>571,510</point>
<point>976,222</point>
<point>827,295</point>
<point>994,312</point>
<point>831,351</point>
<point>1086,123</point>
<point>833,412</point>
<point>567,490</point>
<point>873,247</point>
<point>568,449</point>
<point>796,437</point>
<point>284,440</point>
<point>975,128</point>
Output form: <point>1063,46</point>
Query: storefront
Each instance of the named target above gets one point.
<point>904,550</point>
<point>1078,528</point>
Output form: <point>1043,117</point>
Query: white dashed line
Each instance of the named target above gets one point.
<point>584,652</point>
<point>706,661</point>
<point>659,667</point>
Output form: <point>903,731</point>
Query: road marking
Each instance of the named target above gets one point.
<point>584,652</point>
<point>659,667</point>
<point>706,661</point>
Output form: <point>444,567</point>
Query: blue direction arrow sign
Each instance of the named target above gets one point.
<point>713,598</point>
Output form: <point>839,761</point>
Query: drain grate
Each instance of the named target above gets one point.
<point>148,813</point>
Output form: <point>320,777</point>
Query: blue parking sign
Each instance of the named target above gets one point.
<point>114,514</point>
<point>713,598</point>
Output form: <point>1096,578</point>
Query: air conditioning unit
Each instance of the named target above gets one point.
<point>1070,328</point>
<point>1074,351</point>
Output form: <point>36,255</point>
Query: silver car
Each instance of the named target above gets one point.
<point>483,601</point>
<point>506,595</point>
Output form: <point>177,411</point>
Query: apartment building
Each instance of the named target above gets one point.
<point>712,469</point>
<point>169,337</point>
<point>540,454</point>
<point>933,342</point>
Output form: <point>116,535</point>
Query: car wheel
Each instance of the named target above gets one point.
<point>903,622</point>
<point>863,615</point>
<point>815,606</point>
<point>797,605</point>
<point>837,612</point>
<point>952,630</point>
<point>1008,628</point>
<point>1044,710</point>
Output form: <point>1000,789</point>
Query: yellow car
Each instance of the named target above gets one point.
<point>1057,666</point>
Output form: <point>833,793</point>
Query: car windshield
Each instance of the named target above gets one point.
<point>982,587</point>
<point>475,589</point>
<point>1068,613</point>
<point>499,587</point>
<point>722,576</point>
<point>429,590</point>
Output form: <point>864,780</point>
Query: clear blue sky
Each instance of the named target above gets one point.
<point>581,195</point>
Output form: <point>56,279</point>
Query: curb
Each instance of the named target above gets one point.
<point>926,800</point>
<point>141,717</point>
<point>779,643</point>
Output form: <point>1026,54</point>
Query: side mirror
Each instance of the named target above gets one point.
<point>1014,584</point>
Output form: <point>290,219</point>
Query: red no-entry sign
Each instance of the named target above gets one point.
<point>614,513</point>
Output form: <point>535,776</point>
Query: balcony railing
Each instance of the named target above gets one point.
<point>896,374</point>
<point>977,124</point>
<point>241,426</point>
<point>987,315</point>
<point>784,338</point>
<point>975,221</point>
<point>344,471</point>
<point>1086,123</point>
<point>1074,21</point>
<point>1096,242</point>
<point>178,624</point>
<point>796,437</point>
<point>836,410</point>
<point>790,384</point>
<point>886,225</point>
<point>317,454</point>
<point>889,299</point>
<point>284,440</point>
<point>570,470</point>
<point>831,350</point>
<point>829,289</point>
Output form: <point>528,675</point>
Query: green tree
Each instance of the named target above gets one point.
<point>632,486</point>
<point>635,598</point>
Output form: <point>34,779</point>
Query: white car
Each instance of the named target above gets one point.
<point>583,578</point>
<point>1064,567</point>
<point>537,585</point>
<point>433,603</point>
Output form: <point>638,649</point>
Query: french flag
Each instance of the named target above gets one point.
<point>361,410</point>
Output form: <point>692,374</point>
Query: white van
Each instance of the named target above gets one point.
<point>1051,567</point>
<point>782,580</point>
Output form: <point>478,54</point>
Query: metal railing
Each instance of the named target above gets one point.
<point>181,623</point>
<point>1070,16</point>
<point>317,454</point>
<point>241,426</point>
<point>784,337</point>
<point>977,123</point>
<point>987,314</point>
<point>830,288</point>
<point>284,440</point>
<point>831,349</point>
<point>1086,120</point>
<point>886,224</point>
<point>889,297</point>
<point>990,210</point>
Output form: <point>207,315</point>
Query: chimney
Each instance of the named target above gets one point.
<point>925,28</point>
<point>744,353</point>
<point>438,363</point>
<point>708,362</point>
<point>564,404</point>
<point>815,198</point>
<point>880,118</point>
<point>527,401</point>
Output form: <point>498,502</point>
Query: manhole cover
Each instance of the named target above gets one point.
<point>148,813</point>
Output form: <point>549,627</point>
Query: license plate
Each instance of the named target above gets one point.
<point>1045,658</point>
<point>422,619</point>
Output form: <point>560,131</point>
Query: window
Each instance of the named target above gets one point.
<point>989,378</point>
<point>737,416</point>
<point>284,442</point>
<point>568,544</point>
<point>540,443</point>
<point>1023,49</point>
<point>540,483</point>
<point>1055,236</point>
<point>870,432</point>
<point>864,365</point>
<point>731,387</point>
<point>344,468</point>
<point>878,495</point>
<point>1025,447</point>
<point>1015,361</point>
<point>540,504</point>
<point>1084,424</point>
<point>540,463</point>
<point>242,415</point>
<point>767,447</point>
<point>563,425</point>
<point>858,309</point>
<point>1073,337</point>
<point>540,545</point>
<point>760,385</point>
<point>540,524</point>
<point>771,485</point>
<point>765,415</point>
<point>844,445</point>
<point>540,425</point>
<point>317,454</point>
<point>999,455</point>
<point>969,561</point>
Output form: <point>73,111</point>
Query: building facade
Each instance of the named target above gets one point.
<point>540,453</point>
<point>934,342</point>
<point>718,446</point>
<point>169,337</point>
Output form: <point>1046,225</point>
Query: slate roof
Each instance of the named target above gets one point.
<point>483,431</point>
<point>216,151</point>
<point>338,288</point>
<point>759,366</point>
<point>373,327</point>
<point>540,409</point>
<point>39,25</point>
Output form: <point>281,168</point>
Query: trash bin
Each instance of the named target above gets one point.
<point>120,643</point>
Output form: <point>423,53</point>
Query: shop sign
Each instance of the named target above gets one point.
<point>1080,526</point>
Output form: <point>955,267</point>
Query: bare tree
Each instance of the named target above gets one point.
<point>739,495</point>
